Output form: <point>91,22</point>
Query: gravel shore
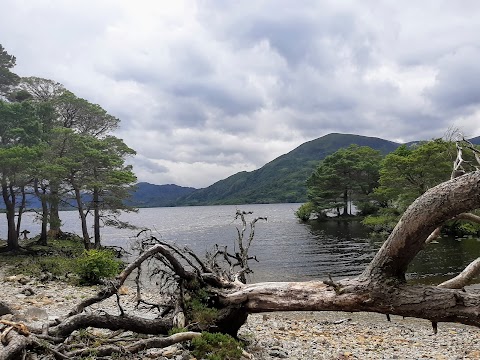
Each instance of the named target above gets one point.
<point>293,335</point>
<point>336,335</point>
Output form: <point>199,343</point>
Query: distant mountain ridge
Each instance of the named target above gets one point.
<point>151,195</point>
<point>282,180</point>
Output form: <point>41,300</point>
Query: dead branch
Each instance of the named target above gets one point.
<point>111,322</point>
<point>137,346</point>
<point>464,278</point>
<point>408,237</point>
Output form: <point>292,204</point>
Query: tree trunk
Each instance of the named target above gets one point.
<point>54,217</point>
<point>42,196</point>
<point>208,290</point>
<point>433,208</point>
<point>96,217</point>
<point>21,208</point>
<point>345,202</point>
<point>83,218</point>
<point>9,200</point>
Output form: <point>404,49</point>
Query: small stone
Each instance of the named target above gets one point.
<point>123,290</point>
<point>24,280</point>
<point>277,352</point>
<point>170,351</point>
<point>28,291</point>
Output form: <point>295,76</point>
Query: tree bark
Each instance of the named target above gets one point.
<point>433,208</point>
<point>83,218</point>
<point>43,199</point>
<point>21,208</point>
<point>9,201</point>
<point>96,218</point>
<point>54,217</point>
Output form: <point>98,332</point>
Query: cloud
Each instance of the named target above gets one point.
<point>205,89</point>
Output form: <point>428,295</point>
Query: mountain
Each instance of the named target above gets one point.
<point>475,140</point>
<point>150,195</point>
<point>281,180</point>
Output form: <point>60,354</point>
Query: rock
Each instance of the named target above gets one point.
<point>123,290</point>
<point>28,291</point>
<point>46,276</point>
<point>170,351</point>
<point>17,278</point>
<point>24,280</point>
<point>5,309</point>
<point>35,313</point>
<point>277,352</point>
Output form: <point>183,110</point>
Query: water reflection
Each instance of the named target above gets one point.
<point>440,261</point>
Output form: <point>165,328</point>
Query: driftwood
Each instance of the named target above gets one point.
<point>210,295</point>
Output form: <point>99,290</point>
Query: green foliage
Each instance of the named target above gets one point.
<point>382,223</point>
<point>348,175</point>
<point>198,310</point>
<point>7,78</point>
<point>58,266</point>
<point>58,258</point>
<point>408,172</point>
<point>366,208</point>
<point>216,346</point>
<point>95,265</point>
<point>304,211</point>
<point>459,228</point>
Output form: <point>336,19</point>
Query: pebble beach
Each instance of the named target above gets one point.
<point>291,335</point>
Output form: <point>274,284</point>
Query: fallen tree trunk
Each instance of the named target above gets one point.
<point>427,302</point>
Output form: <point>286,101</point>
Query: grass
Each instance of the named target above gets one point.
<point>59,258</point>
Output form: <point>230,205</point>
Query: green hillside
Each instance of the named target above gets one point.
<point>150,195</point>
<point>283,179</point>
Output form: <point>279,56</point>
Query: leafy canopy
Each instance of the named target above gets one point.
<point>348,175</point>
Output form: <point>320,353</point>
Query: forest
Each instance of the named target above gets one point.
<point>381,187</point>
<point>59,148</point>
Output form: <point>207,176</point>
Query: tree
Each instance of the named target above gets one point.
<point>349,174</point>
<point>84,117</point>
<point>20,135</point>
<point>408,172</point>
<point>109,181</point>
<point>7,78</point>
<point>96,174</point>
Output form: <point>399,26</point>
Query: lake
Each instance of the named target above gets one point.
<point>286,249</point>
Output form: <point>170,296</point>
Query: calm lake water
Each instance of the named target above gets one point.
<point>286,249</point>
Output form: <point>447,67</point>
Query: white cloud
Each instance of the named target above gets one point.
<point>205,89</point>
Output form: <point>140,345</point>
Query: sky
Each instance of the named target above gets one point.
<point>205,89</point>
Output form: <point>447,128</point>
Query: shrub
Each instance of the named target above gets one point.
<point>367,208</point>
<point>216,346</point>
<point>304,212</point>
<point>380,223</point>
<point>95,265</point>
<point>456,228</point>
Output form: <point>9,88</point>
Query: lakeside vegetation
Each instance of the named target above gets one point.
<point>58,148</point>
<point>382,187</point>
